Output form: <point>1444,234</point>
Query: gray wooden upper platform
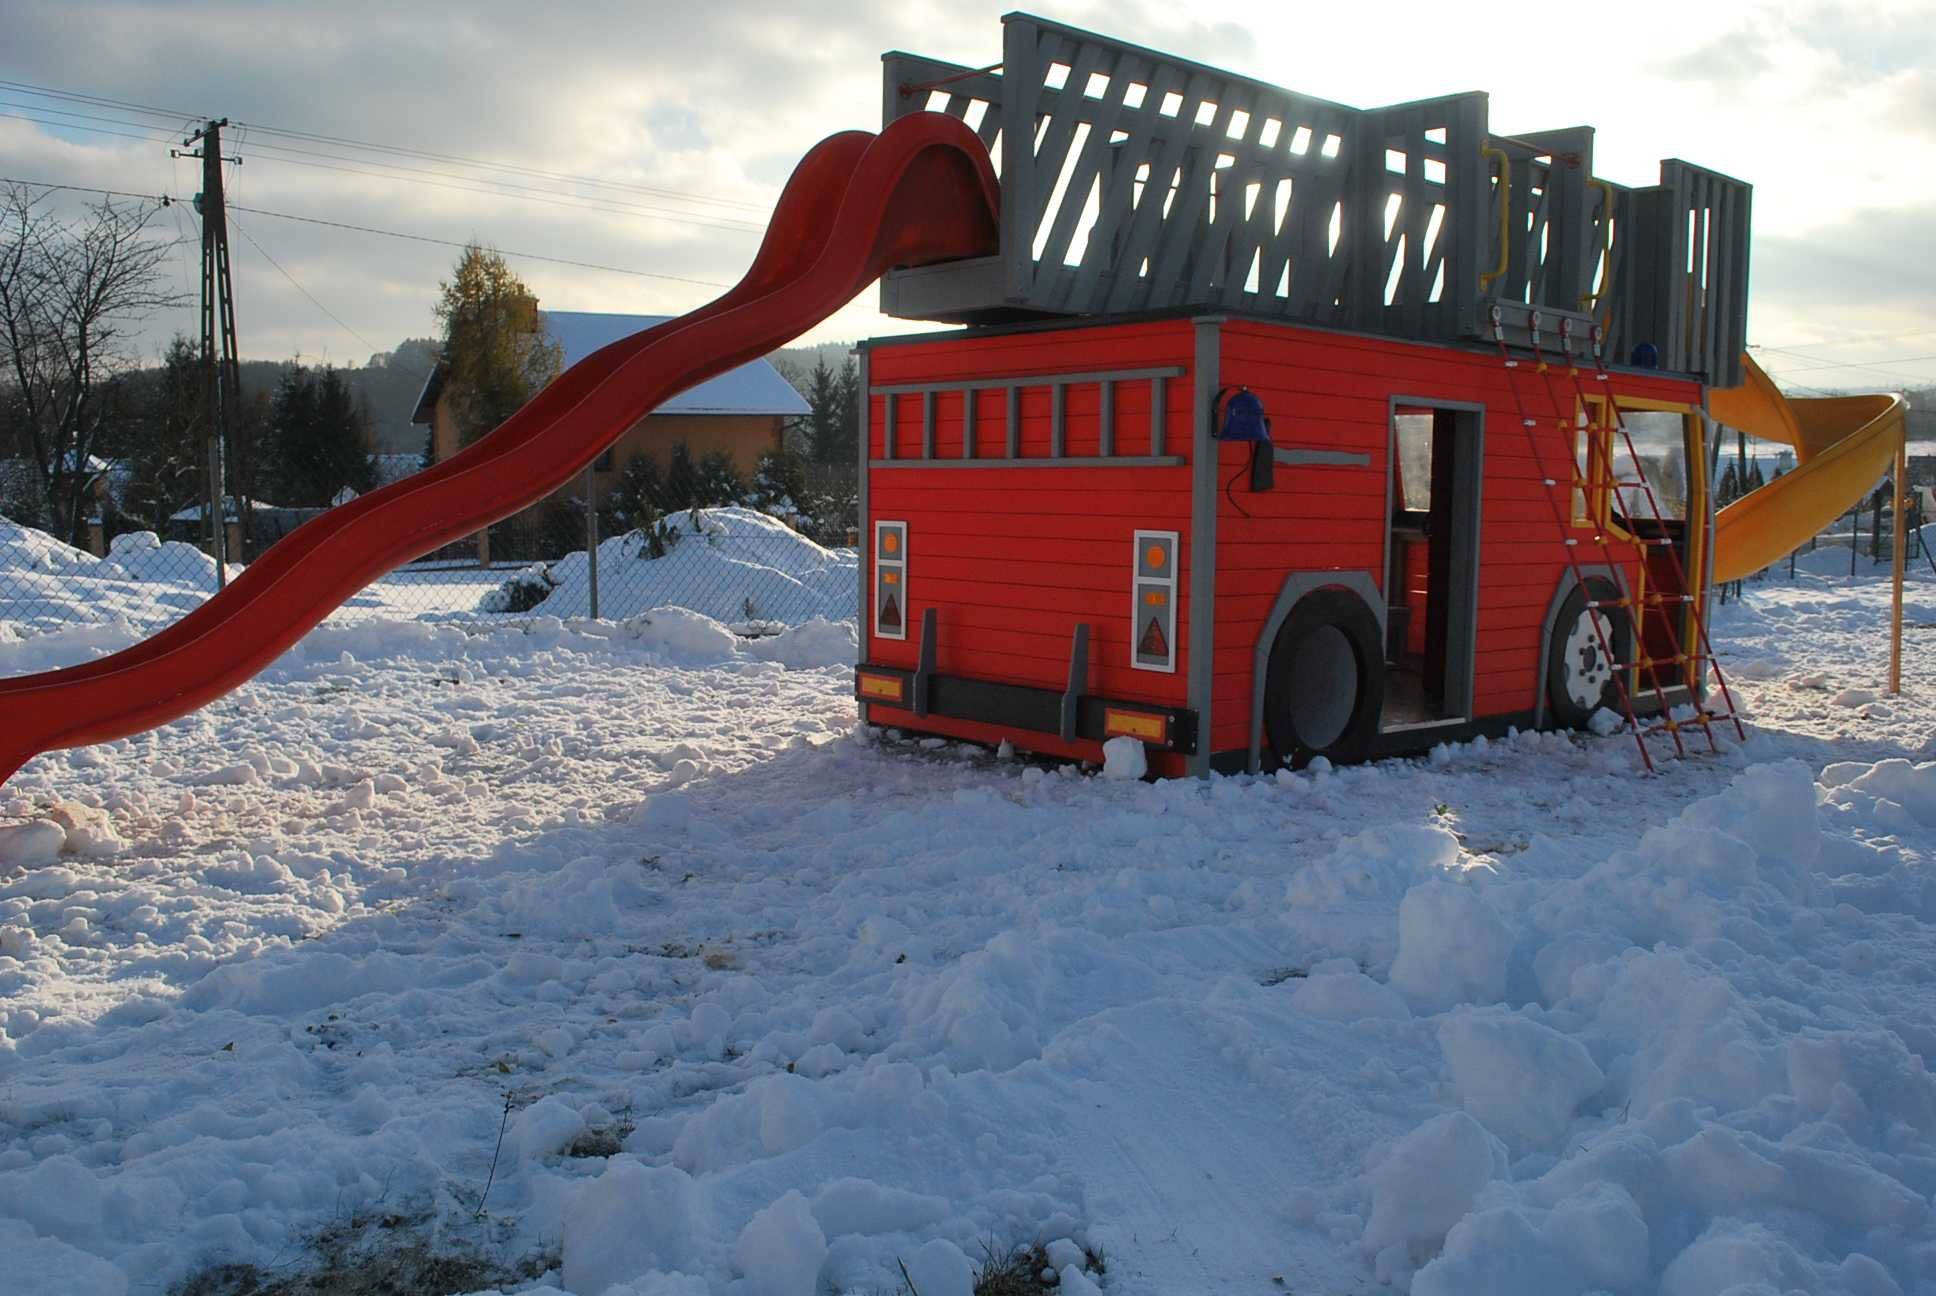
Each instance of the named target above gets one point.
<point>1136,181</point>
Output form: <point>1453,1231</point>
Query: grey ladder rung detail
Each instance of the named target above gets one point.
<point>1106,419</point>
<point>1028,380</point>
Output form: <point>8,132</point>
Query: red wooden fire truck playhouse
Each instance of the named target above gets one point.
<point>1284,429</point>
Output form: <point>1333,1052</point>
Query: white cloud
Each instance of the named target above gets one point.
<point>1825,109</point>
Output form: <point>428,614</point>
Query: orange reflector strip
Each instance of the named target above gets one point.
<point>880,686</point>
<point>1135,724</point>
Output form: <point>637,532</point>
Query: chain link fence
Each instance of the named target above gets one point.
<point>754,568</point>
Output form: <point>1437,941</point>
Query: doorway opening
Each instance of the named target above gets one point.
<point>1431,563</point>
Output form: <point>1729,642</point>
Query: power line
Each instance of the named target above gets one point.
<point>99,100</point>
<point>737,226</point>
<point>164,132</point>
<point>1876,367</point>
<point>527,256</point>
<point>95,130</point>
<point>464,184</point>
<point>509,168</point>
<point>163,199</point>
<point>371,229</point>
<point>240,229</point>
<point>1846,340</point>
<point>340,141</point>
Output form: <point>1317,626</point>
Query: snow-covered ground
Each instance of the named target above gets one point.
<point>734,564</point>
<point>778,1004</point>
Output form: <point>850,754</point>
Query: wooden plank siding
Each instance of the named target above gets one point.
<point>1013,556</point>
<point>1334,391</point>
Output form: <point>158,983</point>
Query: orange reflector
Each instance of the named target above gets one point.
<point>889,687</point>
<point>1135,724</point>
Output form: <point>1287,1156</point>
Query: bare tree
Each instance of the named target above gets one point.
<point>71,294</point>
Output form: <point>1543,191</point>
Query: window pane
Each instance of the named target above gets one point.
<point>1660,439</point>
<point>1414,461</point>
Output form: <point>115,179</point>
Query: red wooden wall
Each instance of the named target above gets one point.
<point>1333,391</point>
<point>1013,557</point>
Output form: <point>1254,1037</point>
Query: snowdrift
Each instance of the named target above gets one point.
<point>733,564</point>
<point>144,581</point>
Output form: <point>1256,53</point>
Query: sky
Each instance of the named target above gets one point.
<point>651,138</point>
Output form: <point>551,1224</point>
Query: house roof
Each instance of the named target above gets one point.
<point>753,388</point>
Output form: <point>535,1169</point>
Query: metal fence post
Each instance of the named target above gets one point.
<point>591,538</point>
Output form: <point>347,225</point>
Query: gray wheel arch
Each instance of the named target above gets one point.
<point>1295,587</point>
<point>1569,581</point>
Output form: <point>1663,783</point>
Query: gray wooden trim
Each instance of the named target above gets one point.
<point>1296,585</point>
<point>1106,418</point>
<point>1078,680</point>
<point>1065,461</point>
<point>927,425</point>
<point>968,423</point>
<point>1203,536</point>
<point>1058,417</point>
<point>1159,413</point>
<point>865,540</point>
<point>1014,422</point>
<point>924,670</point>
<point>887,426</point>
<point>1027,380</point>
<point>1568,580</point>
<point>1297,457</point>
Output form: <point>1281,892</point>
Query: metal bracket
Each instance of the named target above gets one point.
<point>924,672</point>
<point>1078,679</point>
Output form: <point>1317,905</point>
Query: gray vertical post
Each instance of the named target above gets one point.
<point>862,534</point>
<point>1058,406</point>
<point>591,538</point>
<point>1159,413</point>
<point>1014,422</point>
<point>968,423</point>
<point>1206,375</point>
<point>927,425</point>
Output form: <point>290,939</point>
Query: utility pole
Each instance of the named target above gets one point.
<point>221,376</point>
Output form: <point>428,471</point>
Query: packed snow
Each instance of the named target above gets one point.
<point>736,565</point>
<point>766,1002</point>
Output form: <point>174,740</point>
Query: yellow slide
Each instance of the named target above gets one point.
<point>1844,445</point>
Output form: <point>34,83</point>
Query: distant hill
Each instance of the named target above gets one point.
<point>798,361</point>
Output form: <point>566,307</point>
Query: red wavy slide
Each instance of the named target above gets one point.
<point>921,191</point>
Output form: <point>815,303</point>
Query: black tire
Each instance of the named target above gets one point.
<point>1326,681</point>
<point>1579,678</point>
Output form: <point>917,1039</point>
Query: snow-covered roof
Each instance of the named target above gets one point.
<point>756,387</point>
<point>231,508</point>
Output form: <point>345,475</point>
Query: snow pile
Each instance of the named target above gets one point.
<point>1686,1111</point>
<point>47,586</point>
<point>734,564</point>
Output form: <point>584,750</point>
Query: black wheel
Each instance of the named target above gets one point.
<point>1580,677</point>
<point>1326,682</point>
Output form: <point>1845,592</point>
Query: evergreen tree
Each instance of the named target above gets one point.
<point>496,355</point>
<point>168,458</point>
<point>319,440</point>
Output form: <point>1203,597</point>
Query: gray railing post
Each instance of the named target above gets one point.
<point>591,538</point>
